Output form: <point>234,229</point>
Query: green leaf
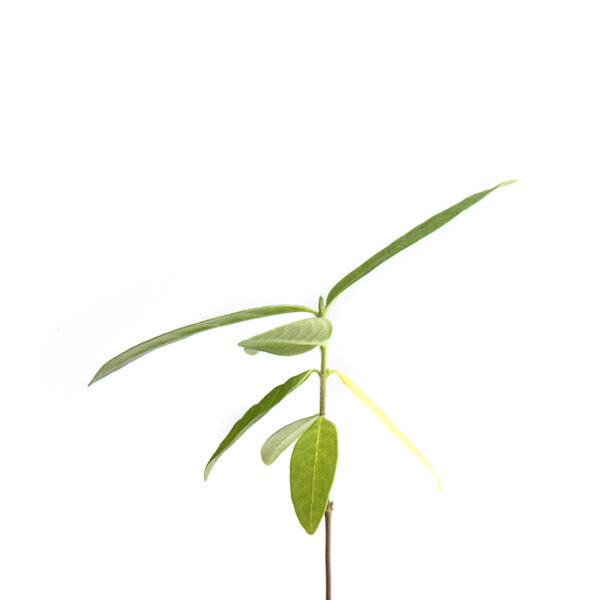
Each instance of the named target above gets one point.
<point>254,413</point>
<point>360,393</point>
<point>414,235</point>
<point>312,470</point>
<point>178,334</point>
<point>292,338</point>
<point>283,438</point>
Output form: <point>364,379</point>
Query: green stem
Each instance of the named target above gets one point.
<point>323,376</point>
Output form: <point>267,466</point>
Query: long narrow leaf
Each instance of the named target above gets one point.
<point>178,334</point>
<point>254,413</point>
<point>312,470</point>
<point>414,235</point>
<point>290,339</point>
<point>365,398</point>
<point>284,438</point>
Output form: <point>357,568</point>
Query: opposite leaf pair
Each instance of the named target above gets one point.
<point>314,459</point>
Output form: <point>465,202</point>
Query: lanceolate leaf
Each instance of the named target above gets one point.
<point>292,338</point>
<point>284,438</point>
<point>178,334</point>
<point>365,398</point>
<point>256,412</point>
<point>414,235</point>
<point>312,470</point>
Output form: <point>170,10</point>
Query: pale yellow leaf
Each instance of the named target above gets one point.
<point>358,391</point>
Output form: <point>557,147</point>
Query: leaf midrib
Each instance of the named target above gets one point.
<point>314,477</point>
<point>304,338</point>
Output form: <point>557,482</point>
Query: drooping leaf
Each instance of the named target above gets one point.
<point>284,438</point>
<point>254,413</point>
<point>365,398</point>
<point>414,235</point>
<point>291,338</point>
<point>312,470</point>
<point>178,334</point>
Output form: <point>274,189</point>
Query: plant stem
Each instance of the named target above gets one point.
<point>328,512</point>
<point>323,379</point>
<point>329,502</point>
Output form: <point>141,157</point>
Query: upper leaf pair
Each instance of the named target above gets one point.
<point>139,350</point>
<point>276,345</point>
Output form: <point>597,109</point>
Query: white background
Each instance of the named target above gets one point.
<point>165,162</point>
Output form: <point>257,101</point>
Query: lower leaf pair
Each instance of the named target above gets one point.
<point>314,458</point>
<point>312,467</point>
<point>254,413</point>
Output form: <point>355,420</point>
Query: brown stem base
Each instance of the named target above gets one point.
<point>328,512</point>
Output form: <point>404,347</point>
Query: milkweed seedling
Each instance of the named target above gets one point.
<point>315,453</point>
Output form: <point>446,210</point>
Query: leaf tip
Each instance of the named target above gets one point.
<point>508,182</point>
<point>263,455</point>
<point>208,468</point>
<point>95,378</point>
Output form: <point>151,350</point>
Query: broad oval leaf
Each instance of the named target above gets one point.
<point>360,393</point>
<point>178,334</point>
<point>414,235</point>
<point>254,413</point>
<point>284,438</point>
<point>312,470</point>
<point>291,338</point>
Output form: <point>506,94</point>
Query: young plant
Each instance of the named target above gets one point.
<point>314,457</point>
